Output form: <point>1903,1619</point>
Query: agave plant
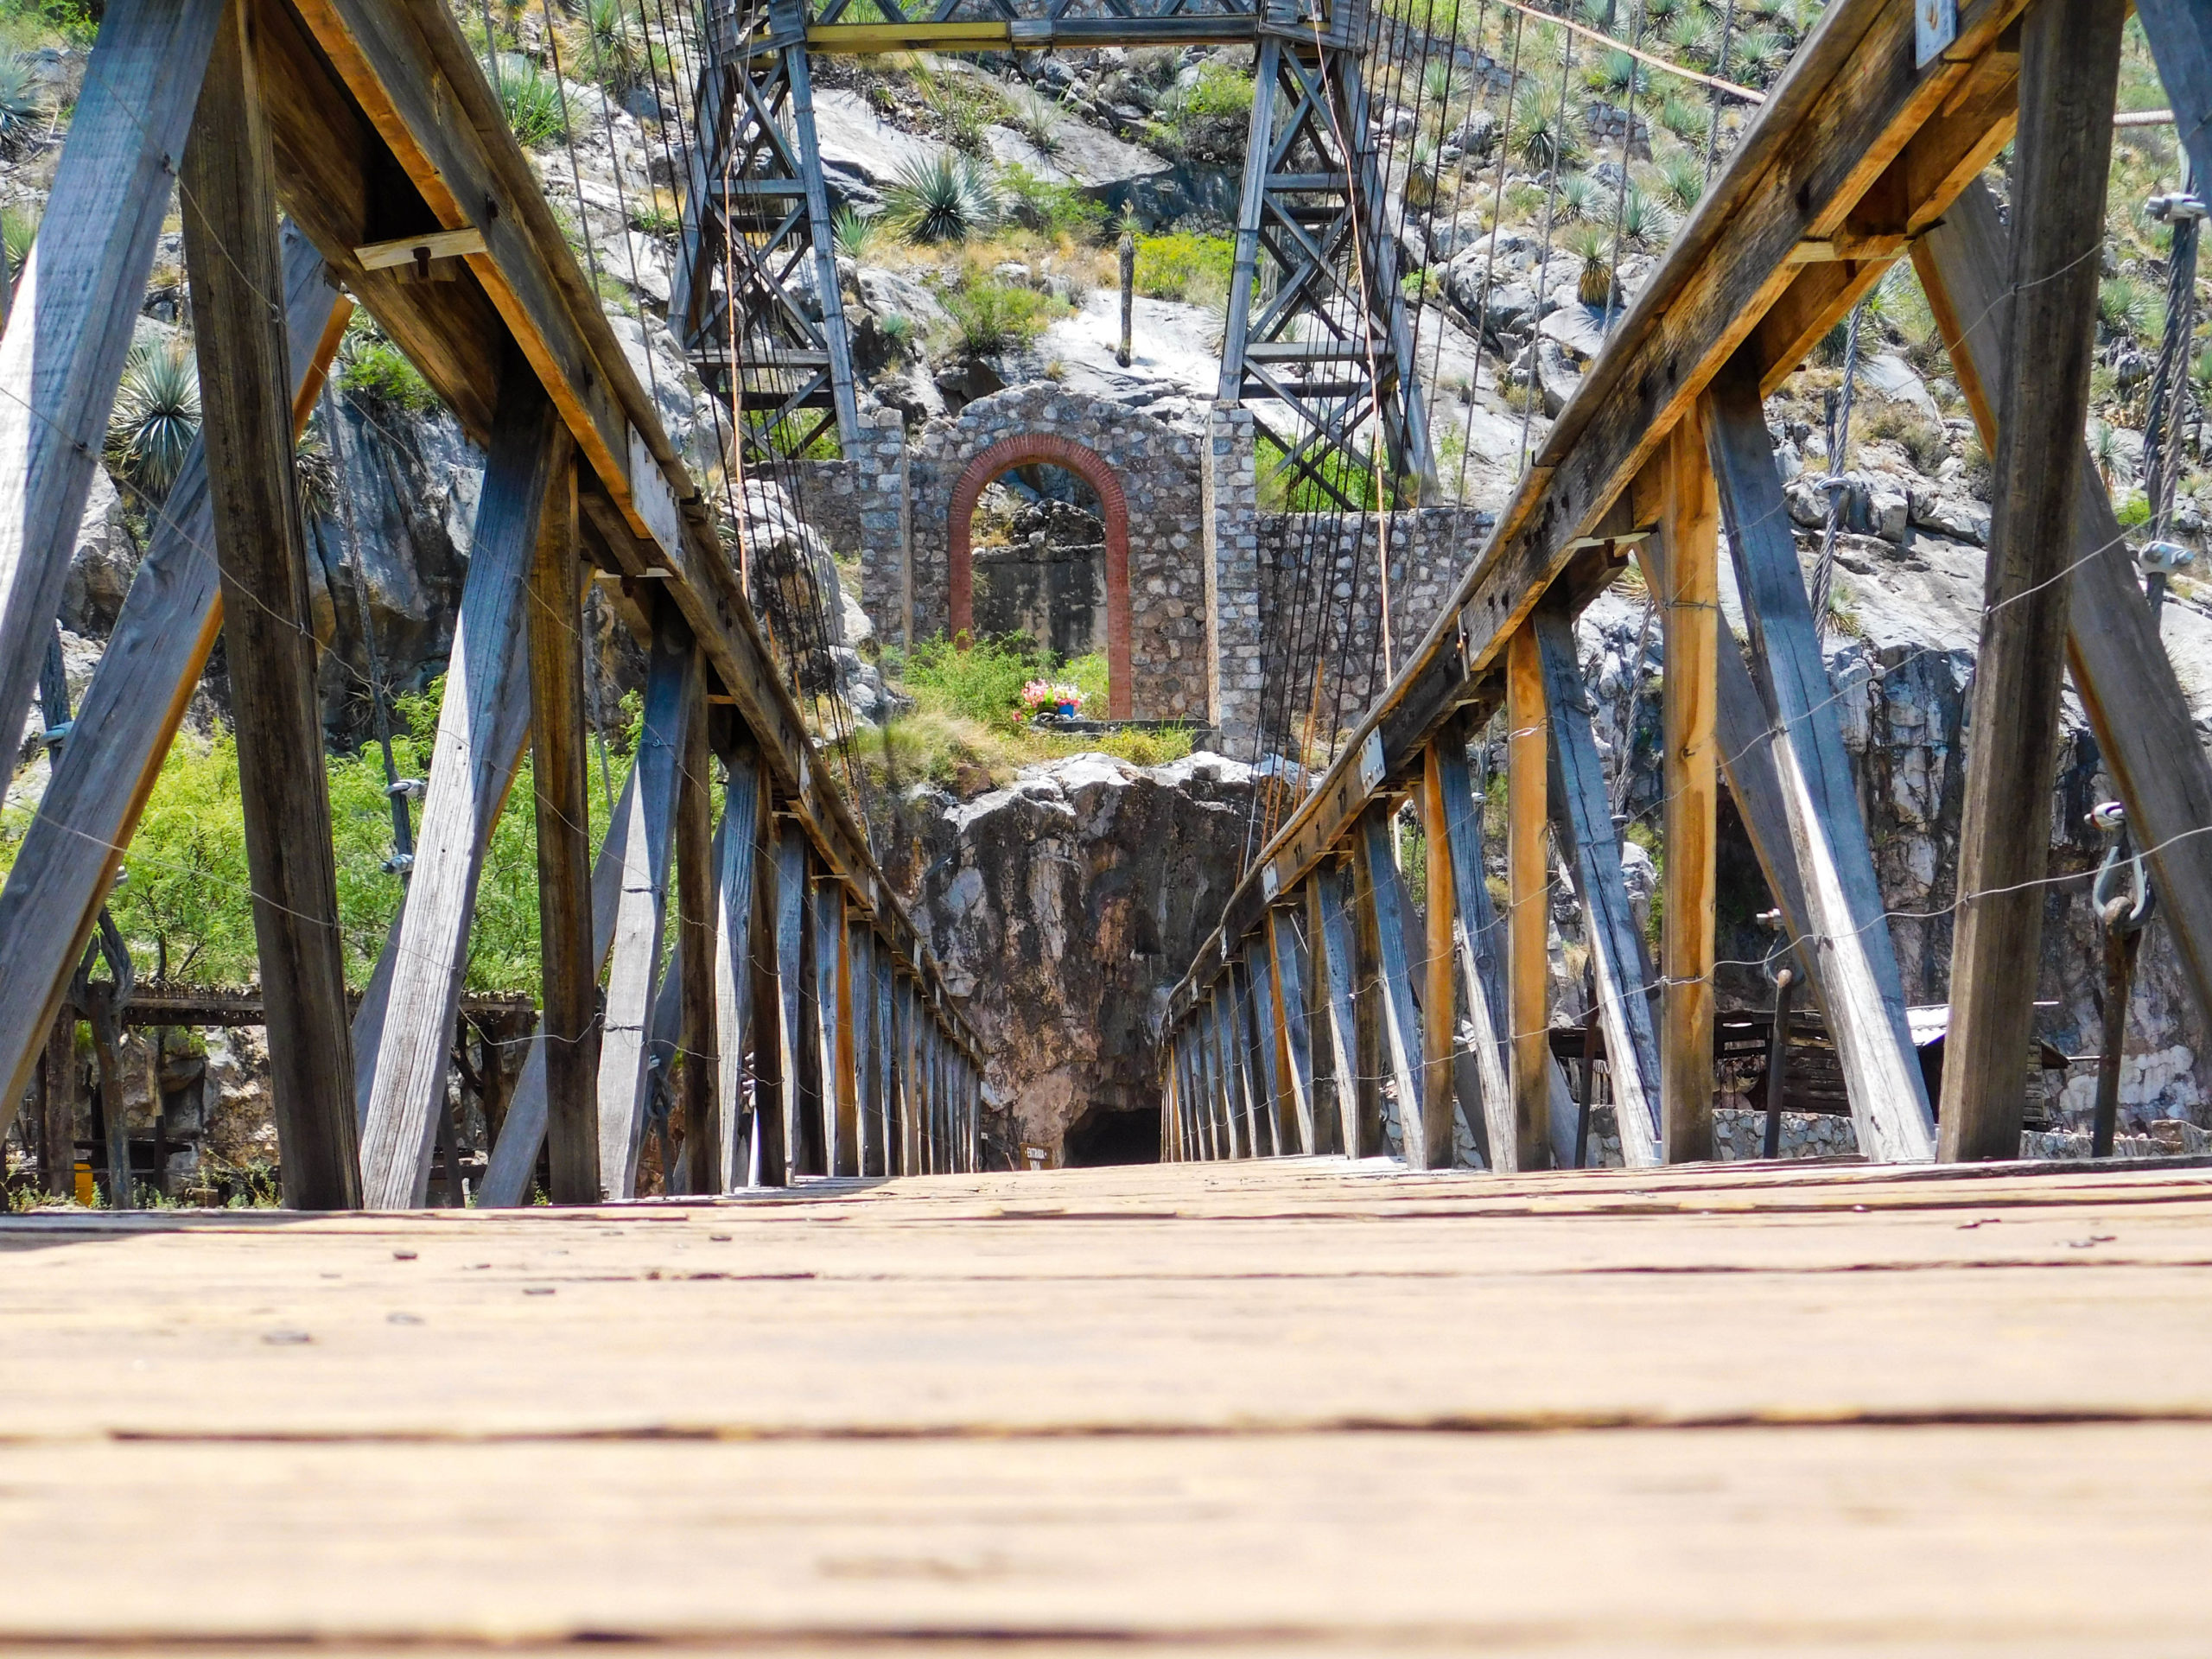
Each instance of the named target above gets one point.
<point>157,414</point>
<point>1757,53</point>
<point>22,99</point>
<point>1590,244</point>
<point>1681,182</point>
<point>1691,123</point>
<point>1619,76</point>
<point>1439,82</point>
<point>18,227</point>
<point>944,198</point>
<point>1422,173</point>
<point>2124,307</point>
<point>1691,36</point>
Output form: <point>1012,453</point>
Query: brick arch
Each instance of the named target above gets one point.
<point>1029,449</point>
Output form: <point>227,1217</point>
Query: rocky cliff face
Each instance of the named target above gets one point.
<point>1062,908</point>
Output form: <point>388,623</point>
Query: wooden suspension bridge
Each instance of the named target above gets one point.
<point>1330,1399</point>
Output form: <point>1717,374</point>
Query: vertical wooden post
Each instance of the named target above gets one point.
<point>1864,992</point>
<point>1292,987</point>
<point>1439,1032</point>
<point>1267,1077</point>
<point>860,955</point>
<point>570,964</point>
<point>672,702</point>
<point>790,1027</point>
<point>61,1106</point>
<point>1528,881</point>
<point>235,266</point>
<point>1329,908</point>
<point>472,769</point>
<point>770,1164</point>
<point>1478,940</point>
<point>738,846</point>
<point>2070,66</point>
<point>1686,582</point>
<point>1401,1028</point>
<point>1223,1056</point>
<point>887,1069</point>
<point>1620,967</point>
<point>702,1057</point>
<point>833,991</point>
<point>77,303</point>
<point>910,1082</point>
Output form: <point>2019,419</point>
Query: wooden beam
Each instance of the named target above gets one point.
<point>737,846</point>
<point>860,1013</point>
<point>1527,905</point>
<point>910,1081</point>
<point>2144,727</point>
<point>697,868</point>
<point>833,993</point>
<point>1477,940</point>
<point>1857,964</point>
<point>469,781</point>
<point>641,914</point>
<point>2181,45</point>
<point>1402,1027</point>
<point>1286,956</point>
<point>1222,1058</point>
<point>1688,584</point>
<point>1619,965</point>
<point>76,303</point>
<point>514,1154</point>
<point>791,905</point>
<point>66,862</point>
<point>568,1051</point>
<point>234,263</point>
<point>773,1085</point>
<point>886,1073</point>
<point>2069,64</point>
<point>1440,971</point>
<point>1263,1010</point>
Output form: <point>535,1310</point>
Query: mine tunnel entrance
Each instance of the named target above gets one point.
<point>1100,1137</point>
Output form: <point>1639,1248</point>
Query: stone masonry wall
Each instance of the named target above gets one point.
<point>861,507</point>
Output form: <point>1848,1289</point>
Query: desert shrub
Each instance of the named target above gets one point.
<point>983,682</point>
<point>606,41</point>
<point>532,101</point>
<point>1185,265</point>
<point>1682,181</point>
<point>988,317</point>
<point>22,100</point>
<point>856,235</point>
<point>1922,438</point>
<point>1042,205</point>
<point>156,415</point>
<point>376,372</point>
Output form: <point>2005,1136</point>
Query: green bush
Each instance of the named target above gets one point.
<point>376,372</point>
<point>1221,91</point>
<point>983,683</point>
<point>1042,205</point>
<point>532,101</point>
<point>988,317</point>
<point>1185,265</point>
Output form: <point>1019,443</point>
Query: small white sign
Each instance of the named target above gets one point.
<point>1935,25</point>
<point>656,502</point>
<point>1270,881</point>
<point>1370,762</point>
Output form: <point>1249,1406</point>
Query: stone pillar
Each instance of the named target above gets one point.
<point>1229,505</point>
<point>886,569</point>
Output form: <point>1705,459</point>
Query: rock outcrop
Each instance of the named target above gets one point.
<point>1062,909</point>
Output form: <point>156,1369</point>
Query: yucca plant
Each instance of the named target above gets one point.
<point>1038,118</point>
<point>1589,243</point>
<point>2124,307</point>
<point>1619,76</point>
<point>1644,222</point>
<point>605,41</point>
<point>856,234</point>
<point>18,228</point>
<point>944,198</point>
<point>1681,182</point>
<point>1581,196</point>
<point>532,101</point>
<point>1439,82</point>
<point>1691,123</point>
<point>157,414</point>
<point>22,99</point>
<point>1421,171</point>
<point>1756,53</point>
<point>1545,138</point>
<point>1691,37</point>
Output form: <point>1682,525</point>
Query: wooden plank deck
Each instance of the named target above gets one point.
<point>1290,1404</point>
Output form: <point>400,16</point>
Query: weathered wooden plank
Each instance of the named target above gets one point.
<point>469,777</point>
<point>1528,914</point>
<point>1286,956</point>
<point>1401,1028</point>
<point>1264,1010</point>
<point>66,860</point>
<point>860,1013</point>
<point>1332,912</point>
<point>1620,966</point>
<point>1440,971</point>
<point>1478,940</point>
<point>567,1048</point>
<point>697,867</point>
<point>737,844</point>
<point>775,1085</point>
<point>234,263</point>
<point>76,303</point>
<point>641,914</point>
<point>912,1096</point>
<point>886,1073</point>
<point>834,1029</point>
<point>2069,64</point>
<point>2180,44</point>
<point>1226,1074</point>
<point>1856,963</point>
<point>1687,582</point>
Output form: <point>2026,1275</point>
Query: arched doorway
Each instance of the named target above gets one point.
<point>1048,451</point>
